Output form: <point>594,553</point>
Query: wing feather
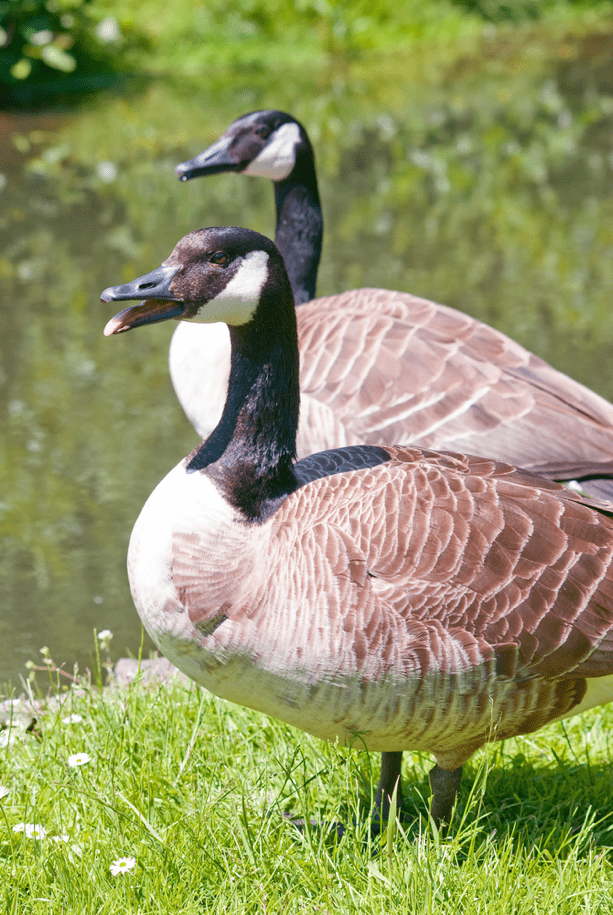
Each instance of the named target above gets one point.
<point>448,381</point>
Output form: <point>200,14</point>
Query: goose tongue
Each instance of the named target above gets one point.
<point>151,311</point>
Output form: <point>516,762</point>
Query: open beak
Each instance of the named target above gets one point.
<point>212,161</point>
<point>160,302</point>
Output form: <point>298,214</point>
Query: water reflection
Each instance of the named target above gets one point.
<point>493,196</point>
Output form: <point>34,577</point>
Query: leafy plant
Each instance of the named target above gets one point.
<point>54,44</point>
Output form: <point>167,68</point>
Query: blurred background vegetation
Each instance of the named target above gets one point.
<point>464,153</point>
<point>52,47</point>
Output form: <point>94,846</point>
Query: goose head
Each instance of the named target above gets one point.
<point>267,144</point>
<point>212,275</point>
<point>236,276</point>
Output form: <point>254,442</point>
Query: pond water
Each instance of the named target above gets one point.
<point>489,189</point>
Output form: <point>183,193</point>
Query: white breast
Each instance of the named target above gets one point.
<point>181,504</point>
<point>199,361</point>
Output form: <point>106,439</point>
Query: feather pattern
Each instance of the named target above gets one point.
<point>392,367</point>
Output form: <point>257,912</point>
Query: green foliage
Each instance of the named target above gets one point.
<point>51,46</point>
<point>55,45</point>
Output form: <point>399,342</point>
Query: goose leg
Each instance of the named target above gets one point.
<point>444,784</point>
<point>391,764</point>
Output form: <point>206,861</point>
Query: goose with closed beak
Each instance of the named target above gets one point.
<point>380,366</point>
<point>386,597</point>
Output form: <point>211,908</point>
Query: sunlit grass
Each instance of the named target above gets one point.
<point>162,798</point>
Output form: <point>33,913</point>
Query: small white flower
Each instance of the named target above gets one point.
<point>63,838</point>
<point>105,634</point>
<point>4,791</point>
<point>6,739</point>
<point>122,866</point>
<point>72,719</point>
<point>79,759</point>
<point>31,830</point>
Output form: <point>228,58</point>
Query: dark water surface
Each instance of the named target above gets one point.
<point>490,191</point>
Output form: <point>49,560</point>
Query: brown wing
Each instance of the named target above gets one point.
<point>516,564</point>
<point>395,368</point>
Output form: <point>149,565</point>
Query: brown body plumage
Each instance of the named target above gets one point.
<point>432,602</point>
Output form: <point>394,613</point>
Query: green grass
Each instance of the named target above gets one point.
<point>198,792</point>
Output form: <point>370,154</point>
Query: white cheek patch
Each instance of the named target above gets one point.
<point>278,157</point>
<point>238,300</point>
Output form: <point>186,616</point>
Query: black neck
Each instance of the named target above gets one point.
<point>249,455</point>
<point>300,226</point>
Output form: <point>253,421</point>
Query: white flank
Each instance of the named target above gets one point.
<point>278,157</point>
<point>238,300</point>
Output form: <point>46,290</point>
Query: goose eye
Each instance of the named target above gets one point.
<point>262,131</point>
<point>220,259</point>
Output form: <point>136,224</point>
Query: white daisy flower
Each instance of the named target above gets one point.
<point>78,759</point>
<point>63,838</point>
<point>122,866</point>
<point>72,719</point>
<point>31,830</point>
<point>105,634</point>
<point>4,791</point>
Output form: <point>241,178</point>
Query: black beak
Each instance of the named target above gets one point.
<point>160,303</point>
<point>212,161</point>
